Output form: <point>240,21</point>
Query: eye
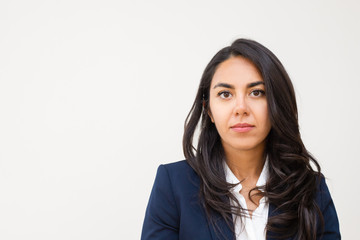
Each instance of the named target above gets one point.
<point>224,94</point>
<point>257,93</point>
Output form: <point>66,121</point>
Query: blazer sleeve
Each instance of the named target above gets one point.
<point>327,207</point>
<point>161,218</point>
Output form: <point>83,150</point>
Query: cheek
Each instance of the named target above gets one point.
<point>262,114</point>
<point>265,119</point>
<point>218,119</point>
<point>218,114</point>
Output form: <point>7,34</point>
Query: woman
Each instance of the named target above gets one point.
<point>250,175</point>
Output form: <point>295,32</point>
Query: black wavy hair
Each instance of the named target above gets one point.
<point>292,182</point>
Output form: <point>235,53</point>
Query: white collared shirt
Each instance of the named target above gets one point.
<point>249,228</point>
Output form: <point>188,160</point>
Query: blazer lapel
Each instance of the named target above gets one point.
<point>222,231</point>
<point>227,234</point>
<point>273,212</point>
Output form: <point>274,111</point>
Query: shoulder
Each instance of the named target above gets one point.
<point>328,210</point>
<point>179,173</point>
<point>174,209</point>
<point>180,180</point>
<point>177,167</point>
<point>323,194</point>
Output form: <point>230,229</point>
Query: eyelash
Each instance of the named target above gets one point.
<point>223,92</point>
<point>262,93</point>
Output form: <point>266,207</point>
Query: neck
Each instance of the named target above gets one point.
<point>246,164</point>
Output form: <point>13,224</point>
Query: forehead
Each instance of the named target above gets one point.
<point>236,70</point>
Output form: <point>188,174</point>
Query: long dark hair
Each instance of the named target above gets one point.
<point>292,182</point>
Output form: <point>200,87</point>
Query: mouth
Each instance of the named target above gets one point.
<point>242,127</point>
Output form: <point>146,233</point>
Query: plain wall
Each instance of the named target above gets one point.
<point>94,94</point>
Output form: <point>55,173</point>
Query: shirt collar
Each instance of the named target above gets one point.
<point>230,177</point>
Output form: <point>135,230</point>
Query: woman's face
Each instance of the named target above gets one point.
<point>238,105</point>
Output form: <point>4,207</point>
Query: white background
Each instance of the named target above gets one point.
<point>94,94</point>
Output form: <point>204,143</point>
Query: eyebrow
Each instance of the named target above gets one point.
<point>249,85</point>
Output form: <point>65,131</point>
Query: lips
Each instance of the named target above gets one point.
<point>242,127</point>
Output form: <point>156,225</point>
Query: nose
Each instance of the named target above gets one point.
<point>241,106</point>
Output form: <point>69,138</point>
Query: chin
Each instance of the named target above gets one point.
<point>246,147</point>
<point>243,147</point>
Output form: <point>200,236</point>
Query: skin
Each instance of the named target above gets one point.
<point>237,95</point>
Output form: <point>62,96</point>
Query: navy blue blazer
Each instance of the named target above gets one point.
<point>175,212</point>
